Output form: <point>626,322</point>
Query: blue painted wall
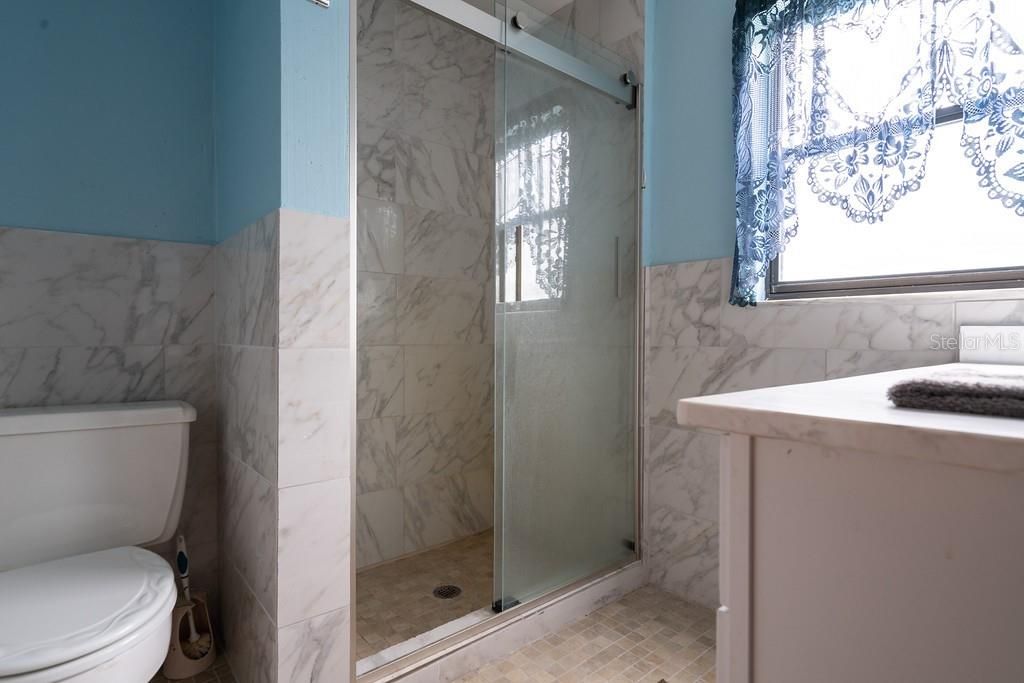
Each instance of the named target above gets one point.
<point>106,117</point>
<point>247,120</point>
<point>281,125</point>
<point>689,207</point>
<point>182,120</point>
<point>314,107</point>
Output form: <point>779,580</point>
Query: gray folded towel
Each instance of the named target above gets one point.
<point>963,390</point>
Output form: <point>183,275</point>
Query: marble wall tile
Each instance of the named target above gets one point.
<point>62,289</point>
<point>446,245</point>
<point>247,285</point>
<point>80,375</point>
<point>442,311</point>
<point>377,308</point>
<point>430,165</point>
<point>582,17</point>
<point>683,555</point>
<point>631,50</point>
<point>433,176</point>
<point>248,388</point>
<point>619,19</point>
<point>601,25</point>
<point>437,48</point>
<point>376,457</point>
<point>682,471</point>
<point>847,325</point>
<point>684,304</point>
<point>190,375</point>
<point>445,443</point>
<point>375,40</point>
<point>199,510</point>
<point>114,320</point>
<point>380,391</point>
<point>449,113</point>
<point>314,412</point>
<point>445,378</point>
<point>842,363</point>
<point>441,509</point>
<point>316,650</point>
<point>250,635</point>
<point>376,172</point>
<point>313,550</point>
<point>381,238</point>
<point>249,518</point>
<point>1009,312</point>
<point>675,373</point>
<point>379,526</point>
<point>314,281</point>
<point>381,93</point>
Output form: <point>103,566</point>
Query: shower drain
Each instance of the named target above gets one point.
<point>447,592</point>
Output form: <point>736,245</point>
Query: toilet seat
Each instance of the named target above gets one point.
<point>67,616</point>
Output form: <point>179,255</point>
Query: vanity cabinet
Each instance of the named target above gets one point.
<point>865,543</point>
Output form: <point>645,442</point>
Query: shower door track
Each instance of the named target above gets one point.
<point>508,36</point>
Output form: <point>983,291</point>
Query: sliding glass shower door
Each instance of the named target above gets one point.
<point>565,332</point>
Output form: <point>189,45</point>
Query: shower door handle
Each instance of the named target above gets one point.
<point>617,274</point>
<point>501,266</point>
<point>519,263</point>
<point>502,286</point>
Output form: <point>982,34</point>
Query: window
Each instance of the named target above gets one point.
<point>536,208</point>
<point>879,147</point>
<point>947,235</point>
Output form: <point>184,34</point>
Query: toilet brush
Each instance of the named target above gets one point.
<point>197,646</point>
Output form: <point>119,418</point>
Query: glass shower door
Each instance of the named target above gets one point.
<point>565,331</point>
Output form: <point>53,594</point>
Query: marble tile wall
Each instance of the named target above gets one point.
<point>285,392</point>
<point>617,26</point>
<point>696,345</point>
<point>91,319</point>
<point>425,282</point>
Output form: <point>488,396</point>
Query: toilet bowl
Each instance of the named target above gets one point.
<point>80,488</point>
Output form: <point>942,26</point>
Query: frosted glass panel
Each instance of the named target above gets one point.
<point>565,343</point>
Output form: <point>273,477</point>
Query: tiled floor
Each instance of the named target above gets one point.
<point>219,673</point>
<point>394,601</point>
<point>647,636</point>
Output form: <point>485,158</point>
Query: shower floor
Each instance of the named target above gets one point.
<point>645,637</point>
<point>395,601</point>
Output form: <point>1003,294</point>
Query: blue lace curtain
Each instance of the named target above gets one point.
<point>843,94</point>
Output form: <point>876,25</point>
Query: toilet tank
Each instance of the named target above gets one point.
<point>85,478</point>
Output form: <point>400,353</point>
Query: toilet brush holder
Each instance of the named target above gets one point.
<point>179,665</point>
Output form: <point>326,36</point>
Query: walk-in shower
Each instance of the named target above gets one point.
<point>498,314</point>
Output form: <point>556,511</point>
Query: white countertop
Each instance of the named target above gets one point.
<point>854,413</point>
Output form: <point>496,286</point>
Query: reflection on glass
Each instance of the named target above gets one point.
<point>565,353</point>
<point>537,157</point>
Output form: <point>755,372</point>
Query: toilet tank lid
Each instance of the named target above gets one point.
<point>16,421</point>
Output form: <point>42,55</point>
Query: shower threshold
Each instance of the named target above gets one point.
<point>485,636</point>
<point>405,648</point>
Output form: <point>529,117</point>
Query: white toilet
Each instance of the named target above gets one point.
<point>79,488</point>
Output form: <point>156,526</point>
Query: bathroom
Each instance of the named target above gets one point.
<point>424,283</point>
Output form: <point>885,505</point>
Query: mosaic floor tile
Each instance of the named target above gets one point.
<point>648,636</point>
<point>395,601</point>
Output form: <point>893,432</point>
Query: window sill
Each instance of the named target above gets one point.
<point>922,298</point>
